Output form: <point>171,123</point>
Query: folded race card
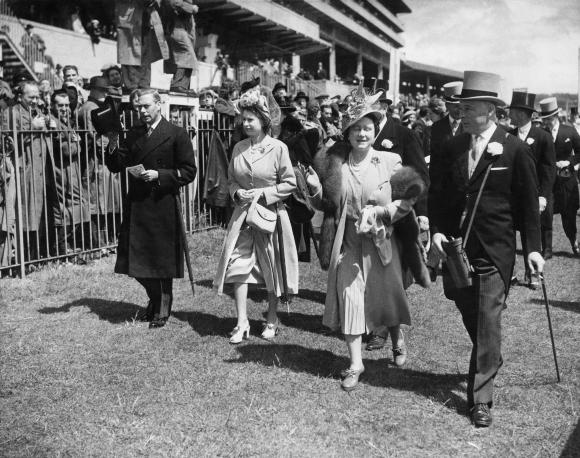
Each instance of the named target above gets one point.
<point>136,170</point>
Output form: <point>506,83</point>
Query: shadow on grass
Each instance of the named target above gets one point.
<point>569,306</point>
<point>572,448</point>
<point>111,311</point>
<point>323,363</point>
<point>564,254</point>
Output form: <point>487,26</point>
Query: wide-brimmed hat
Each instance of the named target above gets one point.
<point>301,95</point>
<point>98,82</point>
<point>365,107</point>
<point>208,91</point>
<point>279,85</point>
<point>452,89</point>
<point>523,100</point>
<point>407,114</point>
<point>322,96</point>
<point>247,85</point>
<point>480,87</point>
<point>548,107</point>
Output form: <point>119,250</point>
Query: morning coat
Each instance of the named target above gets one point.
<point>567,147</point>
<point>510,194</point>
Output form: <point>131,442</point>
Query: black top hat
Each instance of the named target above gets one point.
<point>523,100</point>
<point>279,85</point>
<point>105,118</point>
<point>247,85</point>
<point>301,95</point>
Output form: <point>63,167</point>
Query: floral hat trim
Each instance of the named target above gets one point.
<point>365,103</point>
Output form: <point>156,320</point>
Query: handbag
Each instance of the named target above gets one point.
<point>458,265</point>
<point>261,218</point>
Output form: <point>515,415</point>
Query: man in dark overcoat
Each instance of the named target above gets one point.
<point>567,148</point>
<point>542,146</point>
<point>510,194</point>
<point>150,243</point>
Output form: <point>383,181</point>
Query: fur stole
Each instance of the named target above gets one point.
<point>405,183</point>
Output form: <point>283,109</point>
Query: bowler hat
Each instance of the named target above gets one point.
<point>452,89</point>
<point>481,86</point>
<point>279,85</point>
<point>523,100</point>
<point>548,107</point>
<point>301,95</point>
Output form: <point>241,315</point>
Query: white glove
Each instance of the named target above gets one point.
<point>543,202</point>
<point>536,262</point>
<point>423,223</point>
<point>437,241</point>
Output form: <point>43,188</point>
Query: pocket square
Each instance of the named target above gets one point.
<point>567,140</point>
<point>498,168</point>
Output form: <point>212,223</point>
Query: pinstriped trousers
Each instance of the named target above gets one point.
<point>481,306</point>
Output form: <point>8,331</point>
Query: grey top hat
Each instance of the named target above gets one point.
<point>481,86</point>
<point>548,107</point>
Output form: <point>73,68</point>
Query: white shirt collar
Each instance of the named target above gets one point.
<point>487,133</point>
<point>525,130</point>
<point>155,124</point>
<point>556,127</point>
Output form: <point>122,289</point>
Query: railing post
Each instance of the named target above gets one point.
<point>19,213</point>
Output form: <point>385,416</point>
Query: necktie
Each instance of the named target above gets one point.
<point>475,153</point>
<point>149,131</point>
<point>454,126</point>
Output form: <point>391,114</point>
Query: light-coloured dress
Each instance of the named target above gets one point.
<point>366,293</point>
<point>248,255</point>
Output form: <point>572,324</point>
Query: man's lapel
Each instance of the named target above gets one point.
<point>147,144</point>
<point>498,136</point>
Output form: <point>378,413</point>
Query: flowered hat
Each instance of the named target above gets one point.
<point>253,98</point>
<point>364,105</point>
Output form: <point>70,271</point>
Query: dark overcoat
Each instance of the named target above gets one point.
<point>510,195</point>
<point>542,148</point>
<point>567,147</point>
<point>150,244</point>
<point>406,143</point>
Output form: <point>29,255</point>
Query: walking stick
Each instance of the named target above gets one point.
<point>185,244</point>
<point>547,304</point>
<point>284,297</point>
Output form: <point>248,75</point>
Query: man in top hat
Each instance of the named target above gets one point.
<point>510,194</point>
<point>567,147</point>
<point>301,99</point>
<point>542,146</point>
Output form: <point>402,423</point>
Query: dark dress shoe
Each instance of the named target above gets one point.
<point>376,342</point>
<point>481,415</point>
<point>157,323</point>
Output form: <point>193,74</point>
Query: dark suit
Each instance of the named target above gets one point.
<point>423,131</point>
<point>441,133</point>
<point>150,245</point>
<point>542,146</point>
<point>510,194</point>
<point>406,144</point>
<point>566,202</point>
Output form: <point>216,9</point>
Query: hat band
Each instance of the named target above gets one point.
<point>477,93</point>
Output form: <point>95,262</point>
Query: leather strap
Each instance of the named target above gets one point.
<point>472,217</point>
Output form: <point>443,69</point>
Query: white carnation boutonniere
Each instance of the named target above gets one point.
<point>530,141</point>
<point>387,144</point>
<point>495,149</point>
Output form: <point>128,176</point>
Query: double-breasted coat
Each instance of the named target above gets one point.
<point>71,205</point>
<point>273,173</point>
<point>35,165</point>
<point>150,244</point>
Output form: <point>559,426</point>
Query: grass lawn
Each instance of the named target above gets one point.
<point>79,377</point>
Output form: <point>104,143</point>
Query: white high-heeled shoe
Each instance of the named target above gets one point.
<point>240,333</point>
<point>270,330</point>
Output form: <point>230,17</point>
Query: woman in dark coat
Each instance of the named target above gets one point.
<point>150,245</point>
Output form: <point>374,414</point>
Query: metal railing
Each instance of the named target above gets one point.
<point>58,200</point>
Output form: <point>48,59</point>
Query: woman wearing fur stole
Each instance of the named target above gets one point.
<point>365,194</point>
<point>260,169</point>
